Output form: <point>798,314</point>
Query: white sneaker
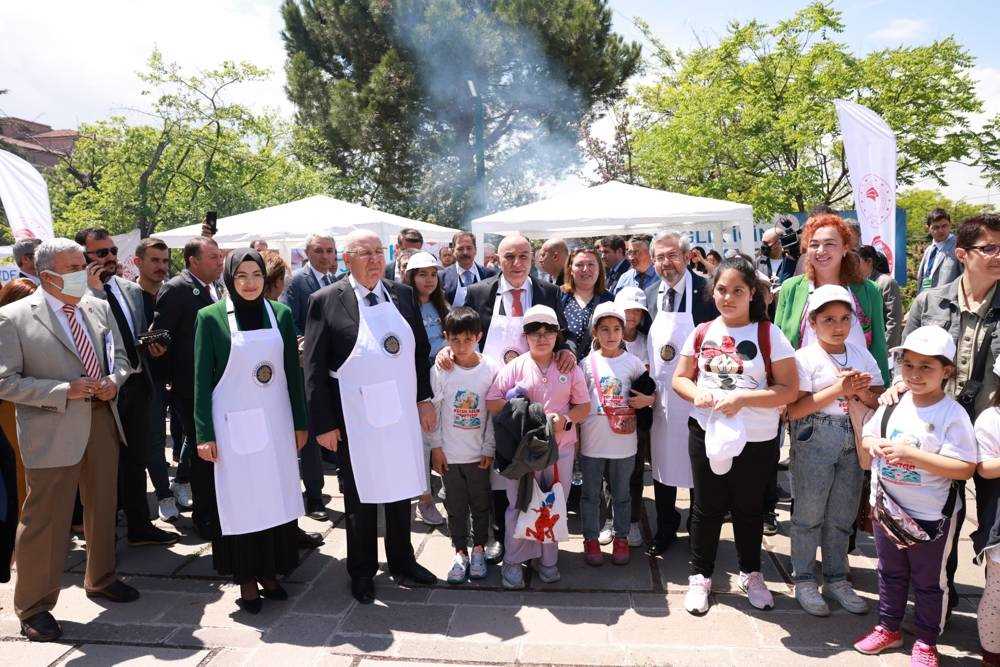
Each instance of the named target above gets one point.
<point>513,576</point>
<point>459,569</point>
<point>635,534</point>
<point>549,574</point>
<point>494,551</point>
<point>696,600</point>
<point>844,594</point>
<point>753,585</point>
<point>168,510</point>
<point>808,597</point>
<point>477,564</point>
<point>182,494</point>
<point>607,533</point>
<point>429,514</point>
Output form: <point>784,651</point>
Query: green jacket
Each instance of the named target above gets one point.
<point>211,353</point>
<point>792,302</point>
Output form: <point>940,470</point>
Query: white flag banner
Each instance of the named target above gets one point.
<point>870,146</point>
<point>25,198</point>
<point>126,244</point>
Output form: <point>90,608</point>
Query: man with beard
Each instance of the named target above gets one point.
<point>465,271</point>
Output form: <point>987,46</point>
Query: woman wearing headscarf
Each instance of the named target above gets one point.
<point>250,418</point>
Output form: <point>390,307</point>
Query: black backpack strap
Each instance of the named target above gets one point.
<point>886,413</point>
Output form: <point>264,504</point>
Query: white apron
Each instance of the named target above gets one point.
<point>669,458</point>
<point>257,474</point>
<point>378,391</point>
<point>505,341</point>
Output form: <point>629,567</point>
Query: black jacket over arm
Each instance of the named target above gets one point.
<point>331,333</point>
<point>482,296</point>
<point>176,310</point>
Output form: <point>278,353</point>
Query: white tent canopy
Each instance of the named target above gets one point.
<point>289,225</point>
<point>620,208</point>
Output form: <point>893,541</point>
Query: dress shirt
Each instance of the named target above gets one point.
<point>123,304</point>
<point>212,294</point>
<point>680,296</point>
<point>320,276</point>
<point>363,291</point>
<point>504,291</point>
<point>57,309</point>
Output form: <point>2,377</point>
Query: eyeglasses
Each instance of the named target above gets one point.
<point>990,249</point>
<point>542,333</point>
<point>367,255</point>
<point>104,252</point>
<point>669,257</point>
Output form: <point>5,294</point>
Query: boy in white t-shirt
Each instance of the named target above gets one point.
<point>462,445</point>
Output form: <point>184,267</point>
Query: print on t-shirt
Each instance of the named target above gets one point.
<point>901,473</point>
<point>724,361</point>
<point>466,409</point>
<point>611,394</point>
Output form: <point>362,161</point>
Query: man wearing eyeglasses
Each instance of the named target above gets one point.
<point>136,395</point>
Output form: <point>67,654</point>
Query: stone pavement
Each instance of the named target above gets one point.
<point>604,616</point>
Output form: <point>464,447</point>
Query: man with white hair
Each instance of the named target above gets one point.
<point>367,372</point>
<point>61,364</point>
<point>24,257</point>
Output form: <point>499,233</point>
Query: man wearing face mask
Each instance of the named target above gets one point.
<point>62,363</point>
<point>136,395</point>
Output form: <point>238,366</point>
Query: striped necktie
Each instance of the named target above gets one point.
<point>83,345</point>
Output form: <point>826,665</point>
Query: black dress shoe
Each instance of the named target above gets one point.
<point>150,534</point>
<point>42,627</point>
<point>415,572</point>
<point>315,509</point>
<point>658,547</point>
<point>118,591</point>
<point>276,593</point>
<point>363,590</point>
<point>251,606</point>
<point>309,540</point>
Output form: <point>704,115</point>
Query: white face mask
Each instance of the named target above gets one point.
<point>74,283</point>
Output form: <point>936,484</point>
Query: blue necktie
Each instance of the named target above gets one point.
<point>930,261</point>
<point>372,299</point>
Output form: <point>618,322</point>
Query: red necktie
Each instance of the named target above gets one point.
<point>516,306</point>
<point>83,346</point>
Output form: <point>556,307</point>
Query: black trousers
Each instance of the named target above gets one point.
<point>134,403</point>
<point>635,484</point>
<point>952,565</point>
<point>362,527</point>
<point>205,513</point>
<point>500,504</point>
<point>741,491</point>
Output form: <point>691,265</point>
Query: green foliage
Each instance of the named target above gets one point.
<point>751,118</point>
<point>382,90</point>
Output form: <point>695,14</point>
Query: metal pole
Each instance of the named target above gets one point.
<point>477,139</point>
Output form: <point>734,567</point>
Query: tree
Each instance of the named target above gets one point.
<point>751,118</point>
<point>389,94</point>
<point>614,160</point>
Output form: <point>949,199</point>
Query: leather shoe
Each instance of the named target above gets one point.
<point>276,593</point>
<point>416,573</point>
<point>118,591</point>
<point>316,510</point>
<point>252,606</point>
<point>657,547</point>
<point>363,590</point>
<point>150,534</point>
<point>309,540</point>
<point>42,627</point>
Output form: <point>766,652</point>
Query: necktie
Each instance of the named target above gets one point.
<point>640,278</point>
<point>326,279</point>
<point>930,261</point>
<point>372,299</point>
<point>668,299</point>
<point>467,278</point>
<point>517,307</point>
<point>123,328</point>
<point>83,345</point>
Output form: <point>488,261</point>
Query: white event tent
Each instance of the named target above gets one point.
<point>620,208</point>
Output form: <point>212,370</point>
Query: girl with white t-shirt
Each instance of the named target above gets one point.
<point>608,438</point>
<point>738,368</point>
<point>986,538</point>
<point>827,476</point>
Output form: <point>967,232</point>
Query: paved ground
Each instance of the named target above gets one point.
<point>608,616</point>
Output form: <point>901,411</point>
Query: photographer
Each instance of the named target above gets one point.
<point>779,251</point>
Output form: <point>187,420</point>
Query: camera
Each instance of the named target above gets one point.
<point>789,236</point>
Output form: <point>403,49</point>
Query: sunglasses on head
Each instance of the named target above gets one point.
<point>104,252</point>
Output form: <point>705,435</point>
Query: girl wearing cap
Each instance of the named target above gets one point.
<point>422,275</point>
<point>836,377</point>
<point>564,396</point>
<point>581,293</point>
<point>737,370</point>
<point>608,437</point>
<point>986,537</point>
<point>919,447</point>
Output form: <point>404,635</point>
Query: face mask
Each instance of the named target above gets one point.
<point>74,284</point>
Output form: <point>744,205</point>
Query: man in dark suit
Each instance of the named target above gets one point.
<point>177,306</point>
<point>612,250</point>
<point>408,239</point>
<point>465,272</point>
<point>388,455</point>
<point>136,395</point>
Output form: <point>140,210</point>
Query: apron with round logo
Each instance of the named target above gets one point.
<point>257,473</point>
<point>669,458</point>
<point>378,392</point>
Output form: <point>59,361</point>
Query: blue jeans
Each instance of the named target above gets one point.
<point>156,464</point>
<point>619,473</point>
<point>826,483</point>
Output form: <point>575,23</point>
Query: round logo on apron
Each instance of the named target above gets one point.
<point>263,373</point>
<point>668,352</point>
<point>510,355</point>
<point>391,345</point>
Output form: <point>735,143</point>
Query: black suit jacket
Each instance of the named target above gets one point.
<point>331,333</point>
<point>176,308</point>
<point>449,278</point>
<point>482,297</point>
<point>703,310</point>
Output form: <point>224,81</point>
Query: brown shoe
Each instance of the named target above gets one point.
<point>118,591</point>
<point>42,627</point>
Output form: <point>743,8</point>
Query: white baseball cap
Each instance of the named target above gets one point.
<point>541,315</point>
<point>422,260</point>
<point>607,309</point>
<point>825,294</point>
<point>631,297</point>
<point>930,340</point>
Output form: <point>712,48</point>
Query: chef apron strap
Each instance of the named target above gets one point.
<point>699,338</point>
<point>231,315</point>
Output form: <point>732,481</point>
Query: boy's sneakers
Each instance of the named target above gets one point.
<point>635,534</point>
<point>459,568</point>
<point>753,585</point>
<point>771,524</point>
<point>182,492</point>
<point>696,598</point>
<point>844,594</point>
<point>879,639</point>
<point>429,514</point>
<point>513,576</point>
<point>620,555</point>
<point>592,554</point>
<point>549,574</point>
<point>607,533</point>
<point>923,655</point>
<point>477,565</point>
<point>808,597</point>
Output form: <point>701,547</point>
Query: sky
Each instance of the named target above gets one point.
<point>66,62</point>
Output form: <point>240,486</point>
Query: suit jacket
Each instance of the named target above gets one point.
<point>703,309</point>
<point>947,269</point>
<point>137,311</point>
<point>482,297</point>
<point>450,281</point>
<point>331,333</point>
<point>297,293</point>
<point>38,360</point>
<point>177,307</point>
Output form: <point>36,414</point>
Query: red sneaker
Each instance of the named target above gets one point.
<point>620,554</point>
<point>878,640</point>
<point>592,553</point>
<point>923,655</point>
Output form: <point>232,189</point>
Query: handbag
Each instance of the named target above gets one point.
<point>621,419</point>
<point>545,519</point>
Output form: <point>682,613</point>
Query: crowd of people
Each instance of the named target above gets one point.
<point>512,379</point>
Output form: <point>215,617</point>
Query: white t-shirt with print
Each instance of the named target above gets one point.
<point>818,369</point>
<point>730,360</point>
<point>638,347</point>
<point>988,436</point>
<point>465,429</point>
<point>943,428</point>
<point>615,377</point>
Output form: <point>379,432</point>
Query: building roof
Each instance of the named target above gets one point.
<point>56,133</point>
